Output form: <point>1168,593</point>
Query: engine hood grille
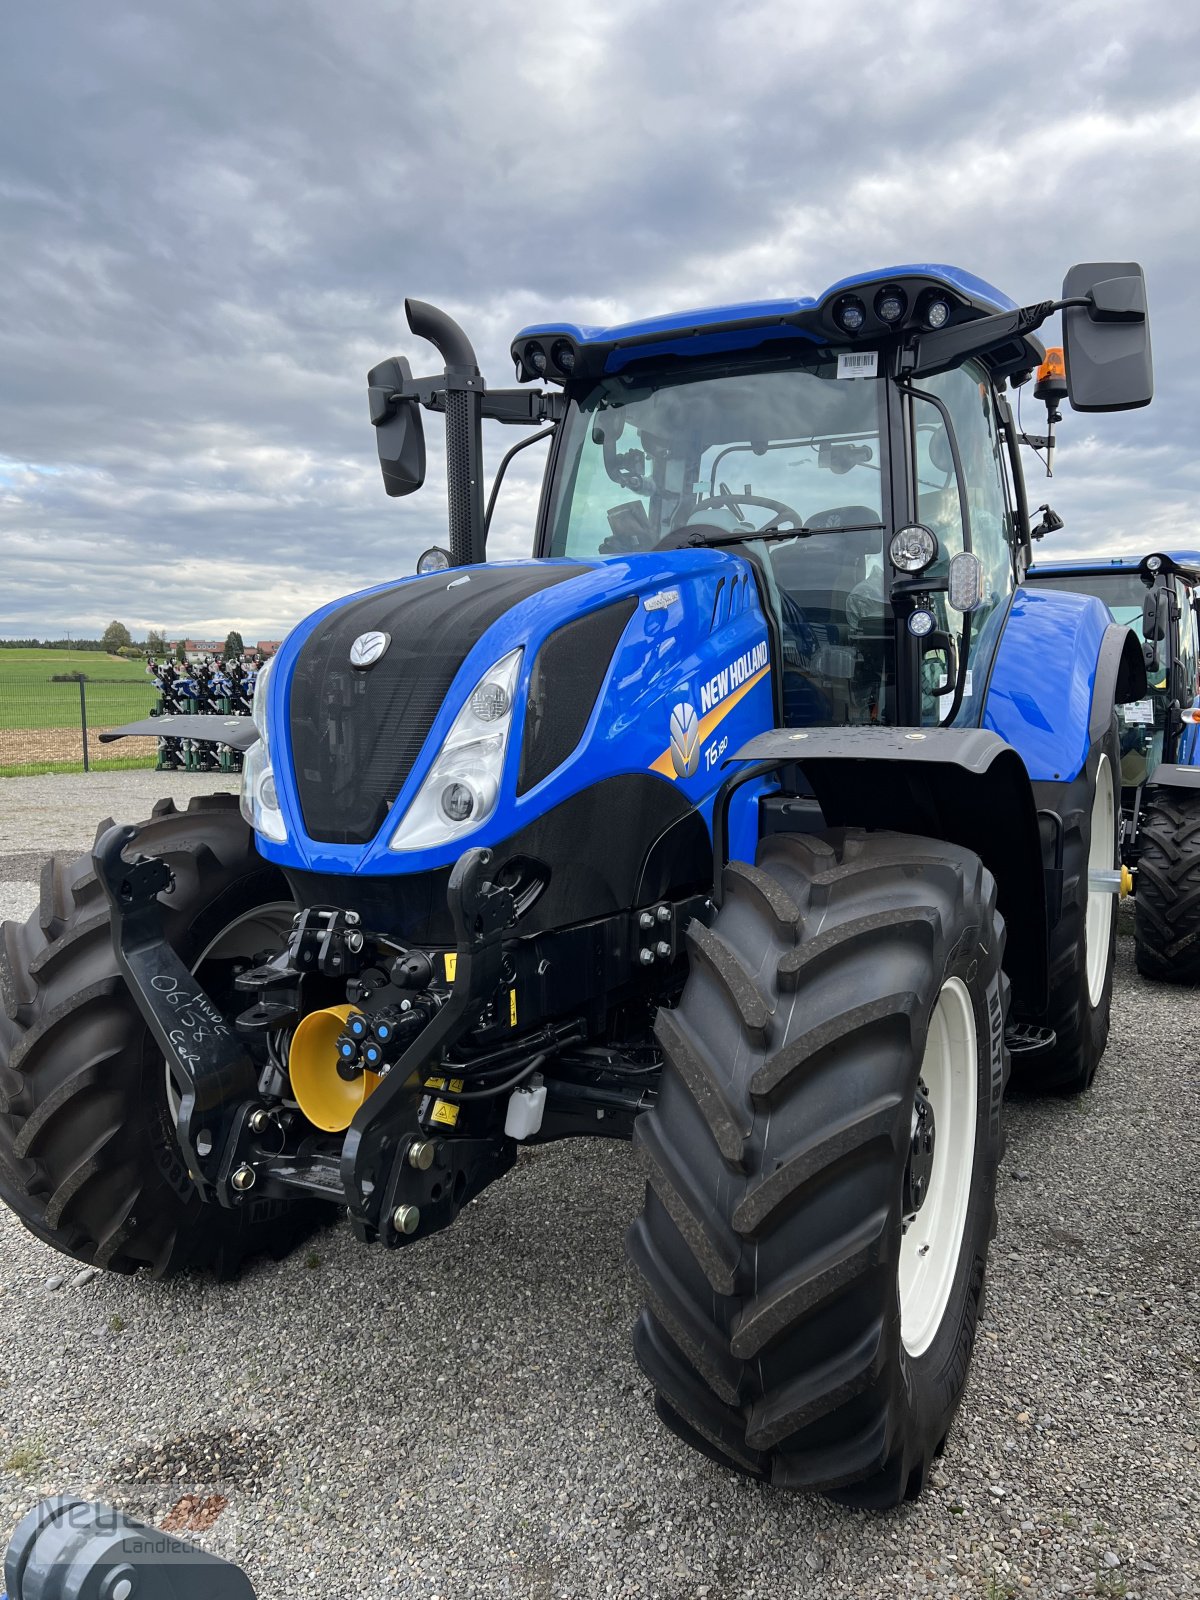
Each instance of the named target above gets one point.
<point>356,734</point>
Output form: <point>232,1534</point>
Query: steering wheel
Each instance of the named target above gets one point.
<point>732,500</point>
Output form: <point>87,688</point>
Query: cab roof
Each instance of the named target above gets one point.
<point>1187,561</point>
<point>570,350</point>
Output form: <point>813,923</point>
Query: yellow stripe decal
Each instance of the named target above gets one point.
<point>708,724</point>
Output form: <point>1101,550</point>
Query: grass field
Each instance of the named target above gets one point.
<point>38,666</point>
<point>40,720</point>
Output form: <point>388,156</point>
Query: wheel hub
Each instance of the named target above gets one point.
<point>922,1141</point>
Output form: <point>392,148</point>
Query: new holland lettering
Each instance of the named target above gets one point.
<point>732,676</point>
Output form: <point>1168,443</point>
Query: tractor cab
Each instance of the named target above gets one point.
<point>876,493</point>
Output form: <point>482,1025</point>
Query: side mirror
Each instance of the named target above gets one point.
<point>398,430</point>
<point>1107,340</point>
<point>1156,615</point>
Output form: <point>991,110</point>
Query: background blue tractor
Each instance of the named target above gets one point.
<point>761,813</point>
<point>1157,596</point>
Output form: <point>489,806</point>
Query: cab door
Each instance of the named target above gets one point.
<point>968,400</point>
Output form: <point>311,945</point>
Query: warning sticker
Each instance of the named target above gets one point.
<point>512,1008</point>
<point>445,1113</point>
<point>858,363</point>
<point>451,965</point>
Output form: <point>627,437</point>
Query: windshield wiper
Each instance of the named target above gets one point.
<point>719,536</point>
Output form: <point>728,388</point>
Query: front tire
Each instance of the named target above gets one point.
<point>1167,904</point>
<point>792,1330</point>
<point>88,1155</point>
<point>1083,942</point>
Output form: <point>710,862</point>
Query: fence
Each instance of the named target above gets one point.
<point>54,727</point>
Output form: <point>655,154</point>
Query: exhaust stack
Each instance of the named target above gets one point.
<point>464,428</point>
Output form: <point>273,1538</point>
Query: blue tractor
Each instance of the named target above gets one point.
<point>1158,597</point>
<point>759,815</point>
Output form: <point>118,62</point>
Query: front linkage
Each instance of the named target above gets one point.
<point>433,1032</point>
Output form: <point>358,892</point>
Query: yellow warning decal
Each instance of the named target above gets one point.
<point>512,1008</point>
<point>456,1085</point>
<point>451,965</point>
<point>444,1113</point>
<point>709,723</point>
<point>435,1083</point>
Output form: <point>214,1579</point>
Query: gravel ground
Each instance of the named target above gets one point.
<point>466,1419</point>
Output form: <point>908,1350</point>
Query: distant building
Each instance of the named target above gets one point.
<point>198,649</point>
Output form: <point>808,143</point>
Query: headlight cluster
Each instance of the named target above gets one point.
<point>913,548</point>
<point>259,797</point>
<point>891,307</point>
<point>463,784</point>
<point>533,359</point>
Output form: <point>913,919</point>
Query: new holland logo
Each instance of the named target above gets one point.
<point>685,739</point>
<point>694,734</point>
<point>368,648</point>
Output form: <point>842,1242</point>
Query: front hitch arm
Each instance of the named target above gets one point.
<point>212,1072</point>
<point>480,911</point>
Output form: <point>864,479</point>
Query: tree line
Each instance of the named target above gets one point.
<point>116,640</point>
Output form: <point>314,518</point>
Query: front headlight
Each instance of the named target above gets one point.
<point>259,800</point>
<point>464,782</point>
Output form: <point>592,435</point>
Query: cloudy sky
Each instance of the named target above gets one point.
<point>210,214</point>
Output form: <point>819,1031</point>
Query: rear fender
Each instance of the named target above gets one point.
<point>962,785</point>
<point>1061,666</point>
<point>1173,776</point>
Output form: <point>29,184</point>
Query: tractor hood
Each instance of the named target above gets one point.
<point>357,719</point>
<point>364,696</point>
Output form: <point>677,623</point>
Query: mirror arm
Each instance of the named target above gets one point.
<point>518,407</point>
<point>948,346</point>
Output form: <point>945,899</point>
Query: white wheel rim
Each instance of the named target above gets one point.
<point>930,1248</point>
<point>244,936</point>
<point>1101,903</point>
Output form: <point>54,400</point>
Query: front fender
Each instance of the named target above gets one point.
<point>962,785</point>
<point>1061,666</point>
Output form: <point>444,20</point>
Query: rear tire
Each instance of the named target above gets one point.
<point>88,1155</point>
<point>1083,942</point>
<point>787,1332</point>
<point>1167,903</point>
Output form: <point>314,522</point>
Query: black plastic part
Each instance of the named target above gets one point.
<point>355,735</point>
<point>464,388</point>
<point>237,732</point>
<point>399,435</point>
<point>1120,676</point>
<point>1106,344</point>
<point>587,869</point>
<point>211,1070</point>
<point>1003,339</point>
<point>521,444</point>
<point>68,1549</point>
<point>566,678</point>
<point>1171,776</point>
<point>966,786</point>
<point>430,322</point>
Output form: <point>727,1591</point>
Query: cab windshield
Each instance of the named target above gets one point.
<point>735,453</point>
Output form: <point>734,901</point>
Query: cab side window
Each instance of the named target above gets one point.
<point>966,393</point>
<point>1189,648</point>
